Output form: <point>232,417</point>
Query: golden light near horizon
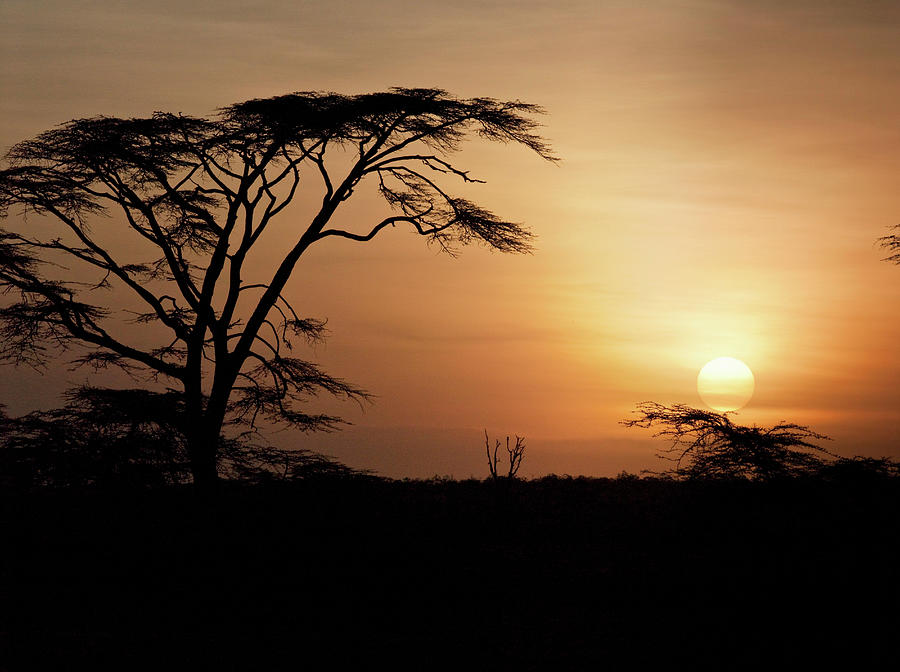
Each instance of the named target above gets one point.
<point>725,384</point>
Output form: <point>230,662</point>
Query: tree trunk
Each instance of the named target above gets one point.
<point>203,467</point>
<point>204,435</point>
<point>203,444</point>
<point>205,420</point>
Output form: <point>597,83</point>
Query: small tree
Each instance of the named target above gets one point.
<point>706,444</point>
<point>199,193</point>
<point>515,454</point>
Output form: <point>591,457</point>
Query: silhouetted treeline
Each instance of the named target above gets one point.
<point>297,561</point>
<point>136,438</point>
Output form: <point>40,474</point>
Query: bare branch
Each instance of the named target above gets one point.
<point>430,160</point>
<point>387,221</point>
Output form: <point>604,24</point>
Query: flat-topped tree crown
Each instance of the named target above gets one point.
<point>201,192</point>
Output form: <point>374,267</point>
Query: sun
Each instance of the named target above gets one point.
<point>725,384</point>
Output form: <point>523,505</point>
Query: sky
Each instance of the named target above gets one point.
<point>726,169</point>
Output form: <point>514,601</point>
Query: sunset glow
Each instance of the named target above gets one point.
<point>479,334</point>
<point>726,168</point>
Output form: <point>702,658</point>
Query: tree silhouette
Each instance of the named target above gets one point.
<point>515,456</point>
<point>198,194</point>
<point>706,444</point>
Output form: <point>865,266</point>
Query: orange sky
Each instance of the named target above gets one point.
<point>726,169</point>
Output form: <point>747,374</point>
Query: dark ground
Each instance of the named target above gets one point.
<point>551,574</point>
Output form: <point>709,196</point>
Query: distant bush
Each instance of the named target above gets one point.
<point>860,469</point>
<point>132,438</point>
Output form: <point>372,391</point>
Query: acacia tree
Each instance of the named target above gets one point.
<point>201,192</point>
<point>706,444</point>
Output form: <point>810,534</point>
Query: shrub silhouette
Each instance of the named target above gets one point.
<point>860,469</point>
<point>132,437</point>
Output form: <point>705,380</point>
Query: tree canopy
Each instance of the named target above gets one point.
<point>200,193</point>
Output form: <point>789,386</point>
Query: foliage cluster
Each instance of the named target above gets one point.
<point>132,438</point>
